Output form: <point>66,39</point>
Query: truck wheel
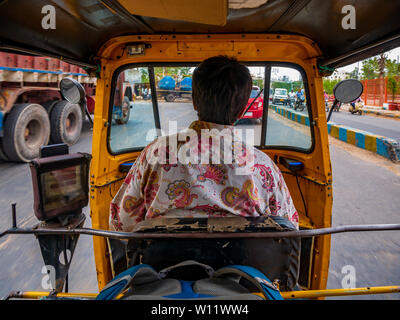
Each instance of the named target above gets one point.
<point>66,122</point>
<point>2,154</point>
<point>26,129</point>
<point>49,105</point>
<point>170,97</point>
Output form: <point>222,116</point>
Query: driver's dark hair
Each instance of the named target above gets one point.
<point>221,89</point>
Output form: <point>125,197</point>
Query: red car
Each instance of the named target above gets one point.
<point>256,110</point>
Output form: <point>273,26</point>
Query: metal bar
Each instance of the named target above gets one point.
<point>267,86</point>
<point>66,263</point>
<point>201,235</point>
<point>156,112</point>
<point>40,294</point>
<point>14,215</point>
<point>251,104</point>
<point>309,294</point>
<point>306,294</point>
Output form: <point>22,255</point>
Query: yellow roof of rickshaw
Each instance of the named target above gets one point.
<point>82,27</point>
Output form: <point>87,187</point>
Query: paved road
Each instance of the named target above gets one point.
<point>20,258</point>
<point>365,191</point>
<point>377,125</point>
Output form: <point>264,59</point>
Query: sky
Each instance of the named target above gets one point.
<point>293,74</point>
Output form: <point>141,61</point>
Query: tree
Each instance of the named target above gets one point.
<point>382,65</point>
<point>381,68</point>
<point>144,75</point>
<point>392,68</point>
<point>393,86</point>
<point>329,85</point>
<point>178,73</point>
<point>370,68</point>
<point>258,82</point>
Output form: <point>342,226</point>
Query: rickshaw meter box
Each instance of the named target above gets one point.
<point>60,185</point>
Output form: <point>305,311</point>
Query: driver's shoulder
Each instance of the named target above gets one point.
<point>262,158</point>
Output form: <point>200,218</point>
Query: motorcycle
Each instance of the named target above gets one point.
<point>300,104</point>
<point>291,102</point>
<point>356,107</point>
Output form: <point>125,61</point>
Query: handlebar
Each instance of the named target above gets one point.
<point>198,235</point>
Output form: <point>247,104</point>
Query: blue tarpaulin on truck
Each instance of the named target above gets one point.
<point>186,84</point>
<point>167,83</point>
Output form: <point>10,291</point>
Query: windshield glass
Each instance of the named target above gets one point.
<point>288,123</point>
<point>151,101</point>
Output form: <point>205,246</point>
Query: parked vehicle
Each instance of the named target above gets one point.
<point>256,109</point>
<point>280,96</point>
<point>271,94</point>
<point>124,96</point>
<point>33,112</point>
<point>170,90</point>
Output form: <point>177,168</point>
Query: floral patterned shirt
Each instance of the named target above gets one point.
<point>232,178</point>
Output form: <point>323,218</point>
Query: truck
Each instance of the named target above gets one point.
<point>33,112</point>
<point>169,89</point>
<point>280,96</point>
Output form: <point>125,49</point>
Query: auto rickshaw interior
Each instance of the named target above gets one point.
<point>295,141</point>
<point>280,41</point>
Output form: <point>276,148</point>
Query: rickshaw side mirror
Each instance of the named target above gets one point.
<point>72,91</point>
<point>348,90</point>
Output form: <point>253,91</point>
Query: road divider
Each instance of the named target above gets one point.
<point>291,114</point>
<point>383,146</point>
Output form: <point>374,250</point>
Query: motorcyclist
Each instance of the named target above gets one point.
<point>353,103</point>
<point>292,98</point>
<point>356,106</point>
<point>299,98</point>
<point>326,98</point>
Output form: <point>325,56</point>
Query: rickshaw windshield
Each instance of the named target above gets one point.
<point>154,100</point>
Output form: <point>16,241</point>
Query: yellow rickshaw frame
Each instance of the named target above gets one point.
<point>105,177</point>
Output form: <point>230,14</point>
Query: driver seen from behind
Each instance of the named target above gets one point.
<point>207,169</point>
